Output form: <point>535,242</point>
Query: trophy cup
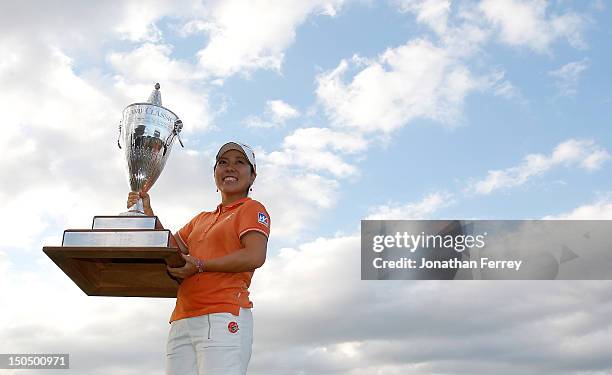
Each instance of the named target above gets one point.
<point>126,255</point>
<point>150,130</point>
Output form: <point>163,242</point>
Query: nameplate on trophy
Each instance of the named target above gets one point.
<point>116,238</point>
<point>126,222</point>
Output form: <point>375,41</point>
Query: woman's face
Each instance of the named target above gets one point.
<point>233,173</point>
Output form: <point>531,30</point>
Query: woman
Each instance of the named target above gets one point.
<point>211,328</point>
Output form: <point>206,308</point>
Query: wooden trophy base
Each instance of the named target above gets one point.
<point>126,262</point>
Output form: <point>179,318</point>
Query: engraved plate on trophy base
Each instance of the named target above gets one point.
<point>116,238</point>
<point>126,222</point>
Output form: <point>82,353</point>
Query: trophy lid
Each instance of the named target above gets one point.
<point>155,97</point>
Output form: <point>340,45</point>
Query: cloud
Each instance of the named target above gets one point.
<point>246,36</point>
<point>281,111</point>
<point>304,323</point>
<point>74,113</point>
<point>423,209</point>
<point>433,13</point>
<point>568,76</point>
<point>415,80</point>
<point>48,151</point>
<point>74,170</point>
<point>599,210</point>
<point>404,327</point>
<point>277,112</point>
<point>294,199</point>
<point>503,87</point>
<point>78,107</point>
<point>74,26</point>
<point>139,69</point>
<point>49,314</point>
<point>318,149</point>
<point>527,23</point>
<point>293,196</point>
<point>62,157</point>
<point>58,149</point>
<point>152,62</point>
<point>584,153</point>
<point>299,182</point>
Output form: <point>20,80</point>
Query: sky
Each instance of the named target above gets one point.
<point>356,109</point>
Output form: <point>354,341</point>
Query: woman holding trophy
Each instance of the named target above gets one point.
<point>211,325</point>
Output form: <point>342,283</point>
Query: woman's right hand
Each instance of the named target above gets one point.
<point>146,201</point>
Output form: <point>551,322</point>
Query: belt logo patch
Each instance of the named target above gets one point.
<point>232,327</point>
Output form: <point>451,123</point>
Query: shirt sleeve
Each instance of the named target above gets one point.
<point>185,231</point>
<point>254,217</point>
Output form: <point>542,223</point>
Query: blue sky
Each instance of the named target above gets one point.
<point>400,109</point>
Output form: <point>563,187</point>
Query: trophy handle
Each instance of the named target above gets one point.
<point>178,126</point>
<point>119,136</point>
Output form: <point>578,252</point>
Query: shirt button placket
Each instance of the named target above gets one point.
<point>214,222</point>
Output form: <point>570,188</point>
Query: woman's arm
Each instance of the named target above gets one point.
<point>251,256</point>
<point>181,244</point>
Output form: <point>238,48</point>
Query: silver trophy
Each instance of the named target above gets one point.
<point>128,255</point>
<point>148,131</point>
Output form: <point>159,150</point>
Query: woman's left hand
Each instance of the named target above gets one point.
<point>189,269</point>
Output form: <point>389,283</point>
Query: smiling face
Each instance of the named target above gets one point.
<point>233,176</point>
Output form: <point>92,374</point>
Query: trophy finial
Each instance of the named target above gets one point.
<point>155,97</point>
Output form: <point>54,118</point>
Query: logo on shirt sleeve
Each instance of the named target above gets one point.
<point>263,219</point>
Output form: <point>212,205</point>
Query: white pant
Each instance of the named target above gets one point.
<point>210,344</point>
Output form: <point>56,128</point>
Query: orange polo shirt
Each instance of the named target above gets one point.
<point>212,235</point>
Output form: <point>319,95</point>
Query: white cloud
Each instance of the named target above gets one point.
<point>78,108</point>
<point>423,209</point>
<point>58,149</point>
<point>528,23</point>
<point>281,111</point>
<point>65,183</point>
<point>76,26</point>
<point>277,112</point>
<point>49,314</point>
<point>584,153</point>
<point>293,196</point>
<point>48,151</point>
<point>294,199</point>
<point>62,158</point>
<point>189,102</point>
<point>502,87</point>
<point>568,76</point>
<point>245,36</point>
<point>415,80</point>
<point>599,210</point>
<point>434,13</point>
<point>258,122</point>
<point>294,181</point>
<point>305,291</point>
<point>151,63</point>
<point>321,138</point>
<point>400,331</point>
<point>318,149</point>
<point>138,22</point>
